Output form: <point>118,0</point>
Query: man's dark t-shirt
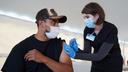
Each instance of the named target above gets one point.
<point>16,62</point>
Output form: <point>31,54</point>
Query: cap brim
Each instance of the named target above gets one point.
<point>61,19</point>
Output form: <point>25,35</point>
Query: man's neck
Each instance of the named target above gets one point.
<point>41,36</point>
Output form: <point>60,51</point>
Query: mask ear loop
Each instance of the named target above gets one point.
<point>57,23</point>
<point>48,29</point>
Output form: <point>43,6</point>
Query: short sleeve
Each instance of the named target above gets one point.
<point>15,61</point>
<point>112,36</point>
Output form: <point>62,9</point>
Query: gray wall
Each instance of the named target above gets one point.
<point>116,11</point>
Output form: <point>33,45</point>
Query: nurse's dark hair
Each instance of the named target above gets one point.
<point>94,8</point>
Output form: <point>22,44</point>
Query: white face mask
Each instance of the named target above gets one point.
<point>53,33</point>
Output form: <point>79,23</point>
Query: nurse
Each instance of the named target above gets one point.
<point>100,35</point>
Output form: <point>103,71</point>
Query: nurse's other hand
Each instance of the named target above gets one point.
<point>34,55</point>
<point>70,51</point>
<point>73,43</point>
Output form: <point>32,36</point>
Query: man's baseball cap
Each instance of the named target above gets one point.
<point>50,14</point>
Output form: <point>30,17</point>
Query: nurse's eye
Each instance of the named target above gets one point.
<point>87,17</point>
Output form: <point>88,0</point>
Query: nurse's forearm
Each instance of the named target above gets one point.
<point>57,66</point>
<point>86,56</point>
<point>102,53</point>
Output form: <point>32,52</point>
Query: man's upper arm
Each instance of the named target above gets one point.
<point>64,58</point>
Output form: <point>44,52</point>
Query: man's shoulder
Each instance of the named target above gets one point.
<point>24,42</point>
<point>60,39</point>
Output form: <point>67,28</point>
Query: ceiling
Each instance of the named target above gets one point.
<point>116,11</point>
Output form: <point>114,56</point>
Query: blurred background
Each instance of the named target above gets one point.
<point>17,22</point>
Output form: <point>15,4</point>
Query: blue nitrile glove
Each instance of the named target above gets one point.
<point>73,44</point>
<point>70,51</point>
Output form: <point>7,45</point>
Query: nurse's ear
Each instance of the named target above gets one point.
<point>96,17</point>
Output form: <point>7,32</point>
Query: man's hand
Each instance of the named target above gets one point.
<point>35,55</point>
<point>55,66</point>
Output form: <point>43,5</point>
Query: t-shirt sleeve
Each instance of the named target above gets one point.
<point>15,60</point>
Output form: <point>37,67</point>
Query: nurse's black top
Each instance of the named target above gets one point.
<point>105,44</point>
<point>16,62</point>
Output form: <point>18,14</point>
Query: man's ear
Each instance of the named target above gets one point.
<point>47,28</point>
<point>42,25</point>
<point>40,22</point>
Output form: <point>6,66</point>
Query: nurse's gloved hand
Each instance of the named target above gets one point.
<point>73,44</point>
<point>70,51</point>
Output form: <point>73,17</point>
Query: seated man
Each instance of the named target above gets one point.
<point>43,51</point>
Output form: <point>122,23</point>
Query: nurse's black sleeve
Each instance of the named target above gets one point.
<point>104,49</point>
<point>15,60</point>
<point>87,47</point>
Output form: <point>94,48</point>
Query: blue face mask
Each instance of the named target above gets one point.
<point>90,23</point>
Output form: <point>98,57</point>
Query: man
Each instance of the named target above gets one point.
<point>43,51</point>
